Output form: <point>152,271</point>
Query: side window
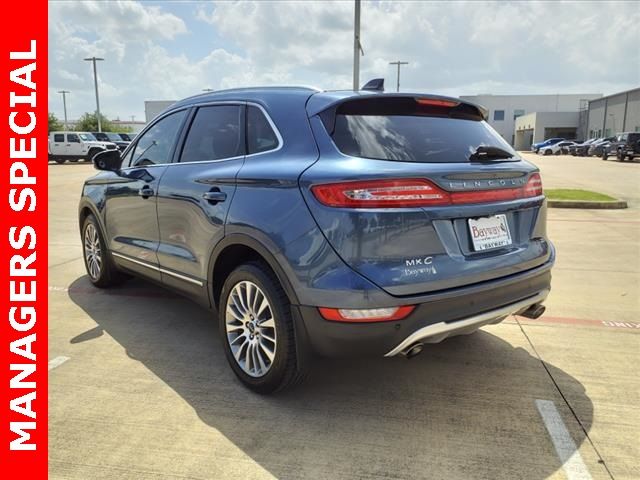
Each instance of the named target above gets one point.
<point>498,115</point>
<point>260,135</point>
<point>215,134</point>
<point>58,137</point>
<point>155,146</point>
<point>73,138</point>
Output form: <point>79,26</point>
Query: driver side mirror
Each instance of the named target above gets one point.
<point>108,160</point>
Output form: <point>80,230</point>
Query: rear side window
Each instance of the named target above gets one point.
<point>405,130</point>
<point>215,134</point>
<point>58,137</point>
<point>260,135</point>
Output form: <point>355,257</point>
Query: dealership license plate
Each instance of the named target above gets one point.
<point>489,232</point>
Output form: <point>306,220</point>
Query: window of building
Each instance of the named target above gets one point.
<point>215,134</point>
<point>498,115</point>
<point>260,135</point>
<point>156,145</point>
<point>518,113</point>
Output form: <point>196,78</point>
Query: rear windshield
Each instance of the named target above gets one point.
<point>404,130</point>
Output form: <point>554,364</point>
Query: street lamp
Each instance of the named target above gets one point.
<point>95,81</point>
<point>398,63</point>
<point>64,104</point>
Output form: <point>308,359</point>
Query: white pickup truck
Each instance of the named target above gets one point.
<point>74,146</point>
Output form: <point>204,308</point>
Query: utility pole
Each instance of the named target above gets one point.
<point>95,81</point>
<point>357,47</point>
<point>133,118</point>
<point>398,63</point>
<point>64,104</point>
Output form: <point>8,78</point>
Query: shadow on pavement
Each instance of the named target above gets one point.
<point>464,408</point>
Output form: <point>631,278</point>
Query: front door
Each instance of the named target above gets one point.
<point>195,194</point>
<point>131,199</point>
<point>73,145</point>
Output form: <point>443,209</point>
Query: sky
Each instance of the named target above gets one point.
<point>171,50</point>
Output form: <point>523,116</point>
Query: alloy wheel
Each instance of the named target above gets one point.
<point>251,328</point>
<point>92,251</point>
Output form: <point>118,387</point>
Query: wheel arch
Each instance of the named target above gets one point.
<point>234,250</point>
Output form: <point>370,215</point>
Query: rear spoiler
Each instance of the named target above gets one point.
<point>323,101</point>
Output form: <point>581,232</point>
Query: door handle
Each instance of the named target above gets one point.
<point>214,196</point>
<point>146,191</point>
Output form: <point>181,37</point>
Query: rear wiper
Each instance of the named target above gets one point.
<point>485,152</point>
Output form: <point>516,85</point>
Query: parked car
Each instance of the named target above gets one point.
<point>340,223</point>
<point>552,141</point>
<point>556,148</point>
<point>74,146</point>
<point>626,145</point>
<point>599,148</point>
<point>580,149</point>
<point>127,137</point>
<point>113,138</point>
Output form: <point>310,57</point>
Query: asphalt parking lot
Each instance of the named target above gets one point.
<point>140,389</point>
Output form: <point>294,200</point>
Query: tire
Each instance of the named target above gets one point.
<point>265,331</point>
<point>92,152</point>
<point>547,153</point>
<point>620,156</point>
<point>59,161</point>
<point>101,270</point>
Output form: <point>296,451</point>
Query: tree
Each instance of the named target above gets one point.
<point>54,123</point>
<point>89,123</point>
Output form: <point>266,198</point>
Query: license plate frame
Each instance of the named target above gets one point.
<point>489,233</point>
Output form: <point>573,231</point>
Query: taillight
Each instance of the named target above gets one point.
<point>533,188</point>
<point>349,315</point>
<point>414,192</point>
<point>381,194</point>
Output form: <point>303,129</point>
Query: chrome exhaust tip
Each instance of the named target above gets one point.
<point>412,350</point>
<point>534,311</point>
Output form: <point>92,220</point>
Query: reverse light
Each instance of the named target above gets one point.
<point>414,192</point>
<point>366,314</point>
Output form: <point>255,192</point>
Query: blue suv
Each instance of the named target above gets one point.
<point>334,223</point>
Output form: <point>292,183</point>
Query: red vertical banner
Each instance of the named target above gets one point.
<point>23,241</point>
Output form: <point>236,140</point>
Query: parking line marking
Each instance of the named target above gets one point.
<point>572,463</point>
<point>56,362</point>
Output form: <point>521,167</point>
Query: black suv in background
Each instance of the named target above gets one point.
<point>113,138</point>
<point>625,145</point>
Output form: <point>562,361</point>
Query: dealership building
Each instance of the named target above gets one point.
<point>614,114</point>
<point>560,110</point>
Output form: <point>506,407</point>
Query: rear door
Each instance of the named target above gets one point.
<point>195,194</point>
<point>131,197</point>
<point>421,195</point>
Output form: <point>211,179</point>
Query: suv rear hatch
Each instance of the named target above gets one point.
<point>419,194</point>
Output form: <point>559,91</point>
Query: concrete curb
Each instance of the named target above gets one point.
<point>609,205</point>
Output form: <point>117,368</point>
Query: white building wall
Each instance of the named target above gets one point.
<point>152,108</point>
<point>516,104</point>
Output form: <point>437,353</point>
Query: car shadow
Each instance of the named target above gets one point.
<point>464,408</point>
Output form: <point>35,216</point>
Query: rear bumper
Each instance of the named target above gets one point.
<point>437,316</point>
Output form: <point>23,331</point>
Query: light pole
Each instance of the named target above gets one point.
<point>95,81</point>
<point>357,47</point>
<point>398,63</point>
<point>64,104</point>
